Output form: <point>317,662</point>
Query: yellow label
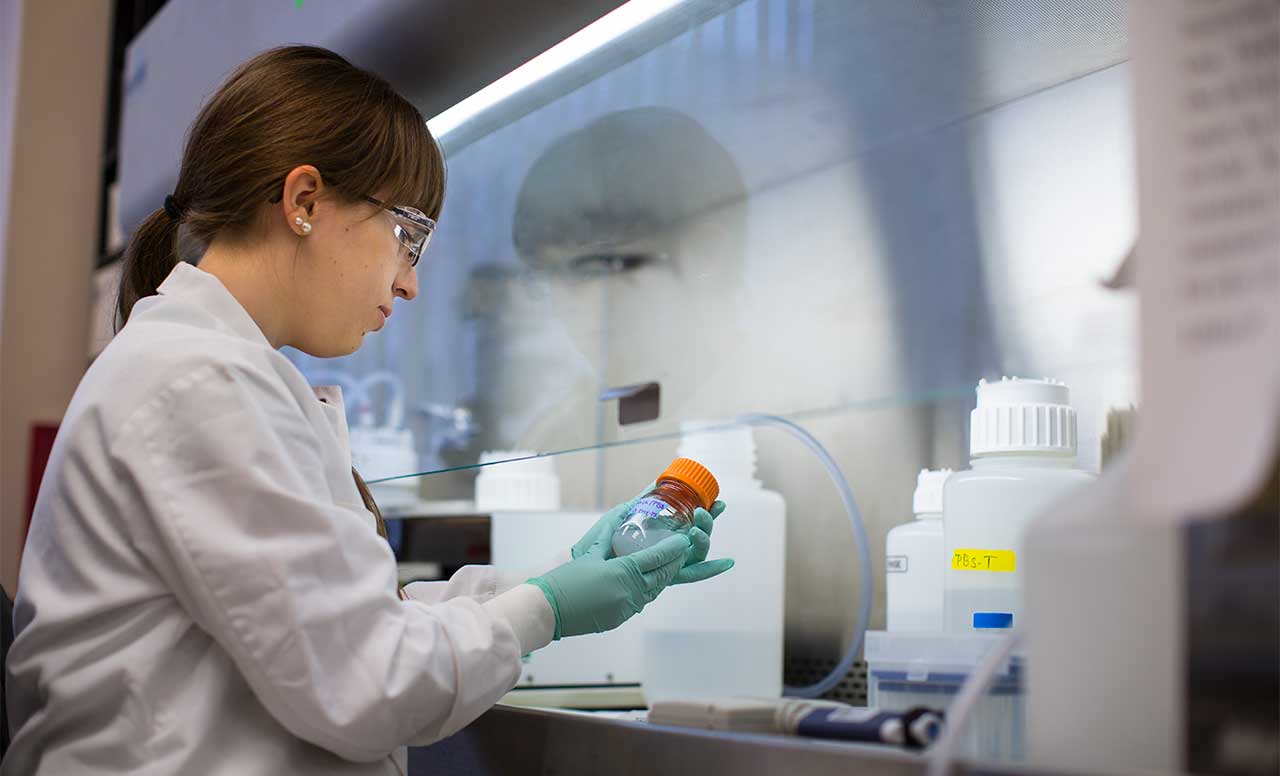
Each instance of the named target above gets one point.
<point>983,560</point>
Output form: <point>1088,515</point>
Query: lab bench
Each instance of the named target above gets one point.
<point>511,741</point>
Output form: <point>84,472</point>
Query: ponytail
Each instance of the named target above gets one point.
<point>150,257</point>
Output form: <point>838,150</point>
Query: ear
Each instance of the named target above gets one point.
<point>302,188</point>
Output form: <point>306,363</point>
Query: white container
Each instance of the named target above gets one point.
<point>723,637</point>
<point>1106,630</point>
<point>906,670</point>
<point>517,480</point>
<point>1023,445</point>
<point>914,561</point>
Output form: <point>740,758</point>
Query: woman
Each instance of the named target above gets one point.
<point>204,588</point>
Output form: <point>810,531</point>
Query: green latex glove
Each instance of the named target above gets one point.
<point>696,568</point>
<point>594,593</point>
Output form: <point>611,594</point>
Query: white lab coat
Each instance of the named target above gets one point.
<point>203,591</point>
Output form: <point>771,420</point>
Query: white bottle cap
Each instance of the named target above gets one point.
<point>928,498</point>
<point>1023,416</point>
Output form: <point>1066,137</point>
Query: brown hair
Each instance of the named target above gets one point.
<point>369,503</point>
<point>284,108</point>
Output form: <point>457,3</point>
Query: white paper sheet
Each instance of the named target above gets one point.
<point>1207,86</point>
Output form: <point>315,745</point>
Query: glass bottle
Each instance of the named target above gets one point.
<point>667,508</point>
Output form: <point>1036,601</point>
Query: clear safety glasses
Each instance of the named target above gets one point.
<point>413,228</point>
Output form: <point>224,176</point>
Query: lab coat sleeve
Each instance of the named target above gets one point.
<point>297,590</point>
<point>479,582</point>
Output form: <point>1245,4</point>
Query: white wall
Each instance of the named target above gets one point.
<point>51,234</point>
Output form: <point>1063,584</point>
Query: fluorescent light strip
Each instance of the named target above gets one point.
<point>594,36</point>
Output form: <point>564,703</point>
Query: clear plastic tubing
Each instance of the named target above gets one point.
<point>861,545</point>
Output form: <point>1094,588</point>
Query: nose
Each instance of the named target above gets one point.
<point>406,285</point>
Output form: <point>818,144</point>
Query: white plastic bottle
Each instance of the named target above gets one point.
<point>1023,449</point>
<point>723,637</point>
<point>914,561</point>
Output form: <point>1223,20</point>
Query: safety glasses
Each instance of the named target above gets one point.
<point>413,228</point>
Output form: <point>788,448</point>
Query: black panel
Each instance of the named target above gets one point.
<point>1233,639</point>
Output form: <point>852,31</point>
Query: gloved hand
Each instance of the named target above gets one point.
<point>608,521</point>
<point>697,567</point>
<point>594,593</point>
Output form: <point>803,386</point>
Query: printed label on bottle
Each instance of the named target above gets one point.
<point>983,560</point>
<point>650,507</point>
<point>896,564</point>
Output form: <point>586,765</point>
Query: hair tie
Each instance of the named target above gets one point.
<point>171,207</point>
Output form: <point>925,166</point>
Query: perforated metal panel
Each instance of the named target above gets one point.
<point>852,689</point>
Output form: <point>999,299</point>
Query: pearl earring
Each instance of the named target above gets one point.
<point>306,225</point>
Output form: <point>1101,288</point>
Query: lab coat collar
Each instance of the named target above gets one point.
<point>191,282</point>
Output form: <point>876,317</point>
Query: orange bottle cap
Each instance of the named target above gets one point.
<point>696,476</point>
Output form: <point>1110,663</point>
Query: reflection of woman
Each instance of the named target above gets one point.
<point>203,589</point>
<point>648,204</point>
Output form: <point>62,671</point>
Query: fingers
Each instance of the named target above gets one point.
<point>601,545</point>
<point>703,521</point>
<point>657,580</point>
<point>698,572</point>
<point>589,538</point>
<point>700,545</point>
<point>670,550</point>
<point>700,534</point>
<point>614,518</point>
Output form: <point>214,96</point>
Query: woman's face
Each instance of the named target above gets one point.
<point>348,273</point>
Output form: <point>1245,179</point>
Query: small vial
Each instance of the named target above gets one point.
<point>667,509</point>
